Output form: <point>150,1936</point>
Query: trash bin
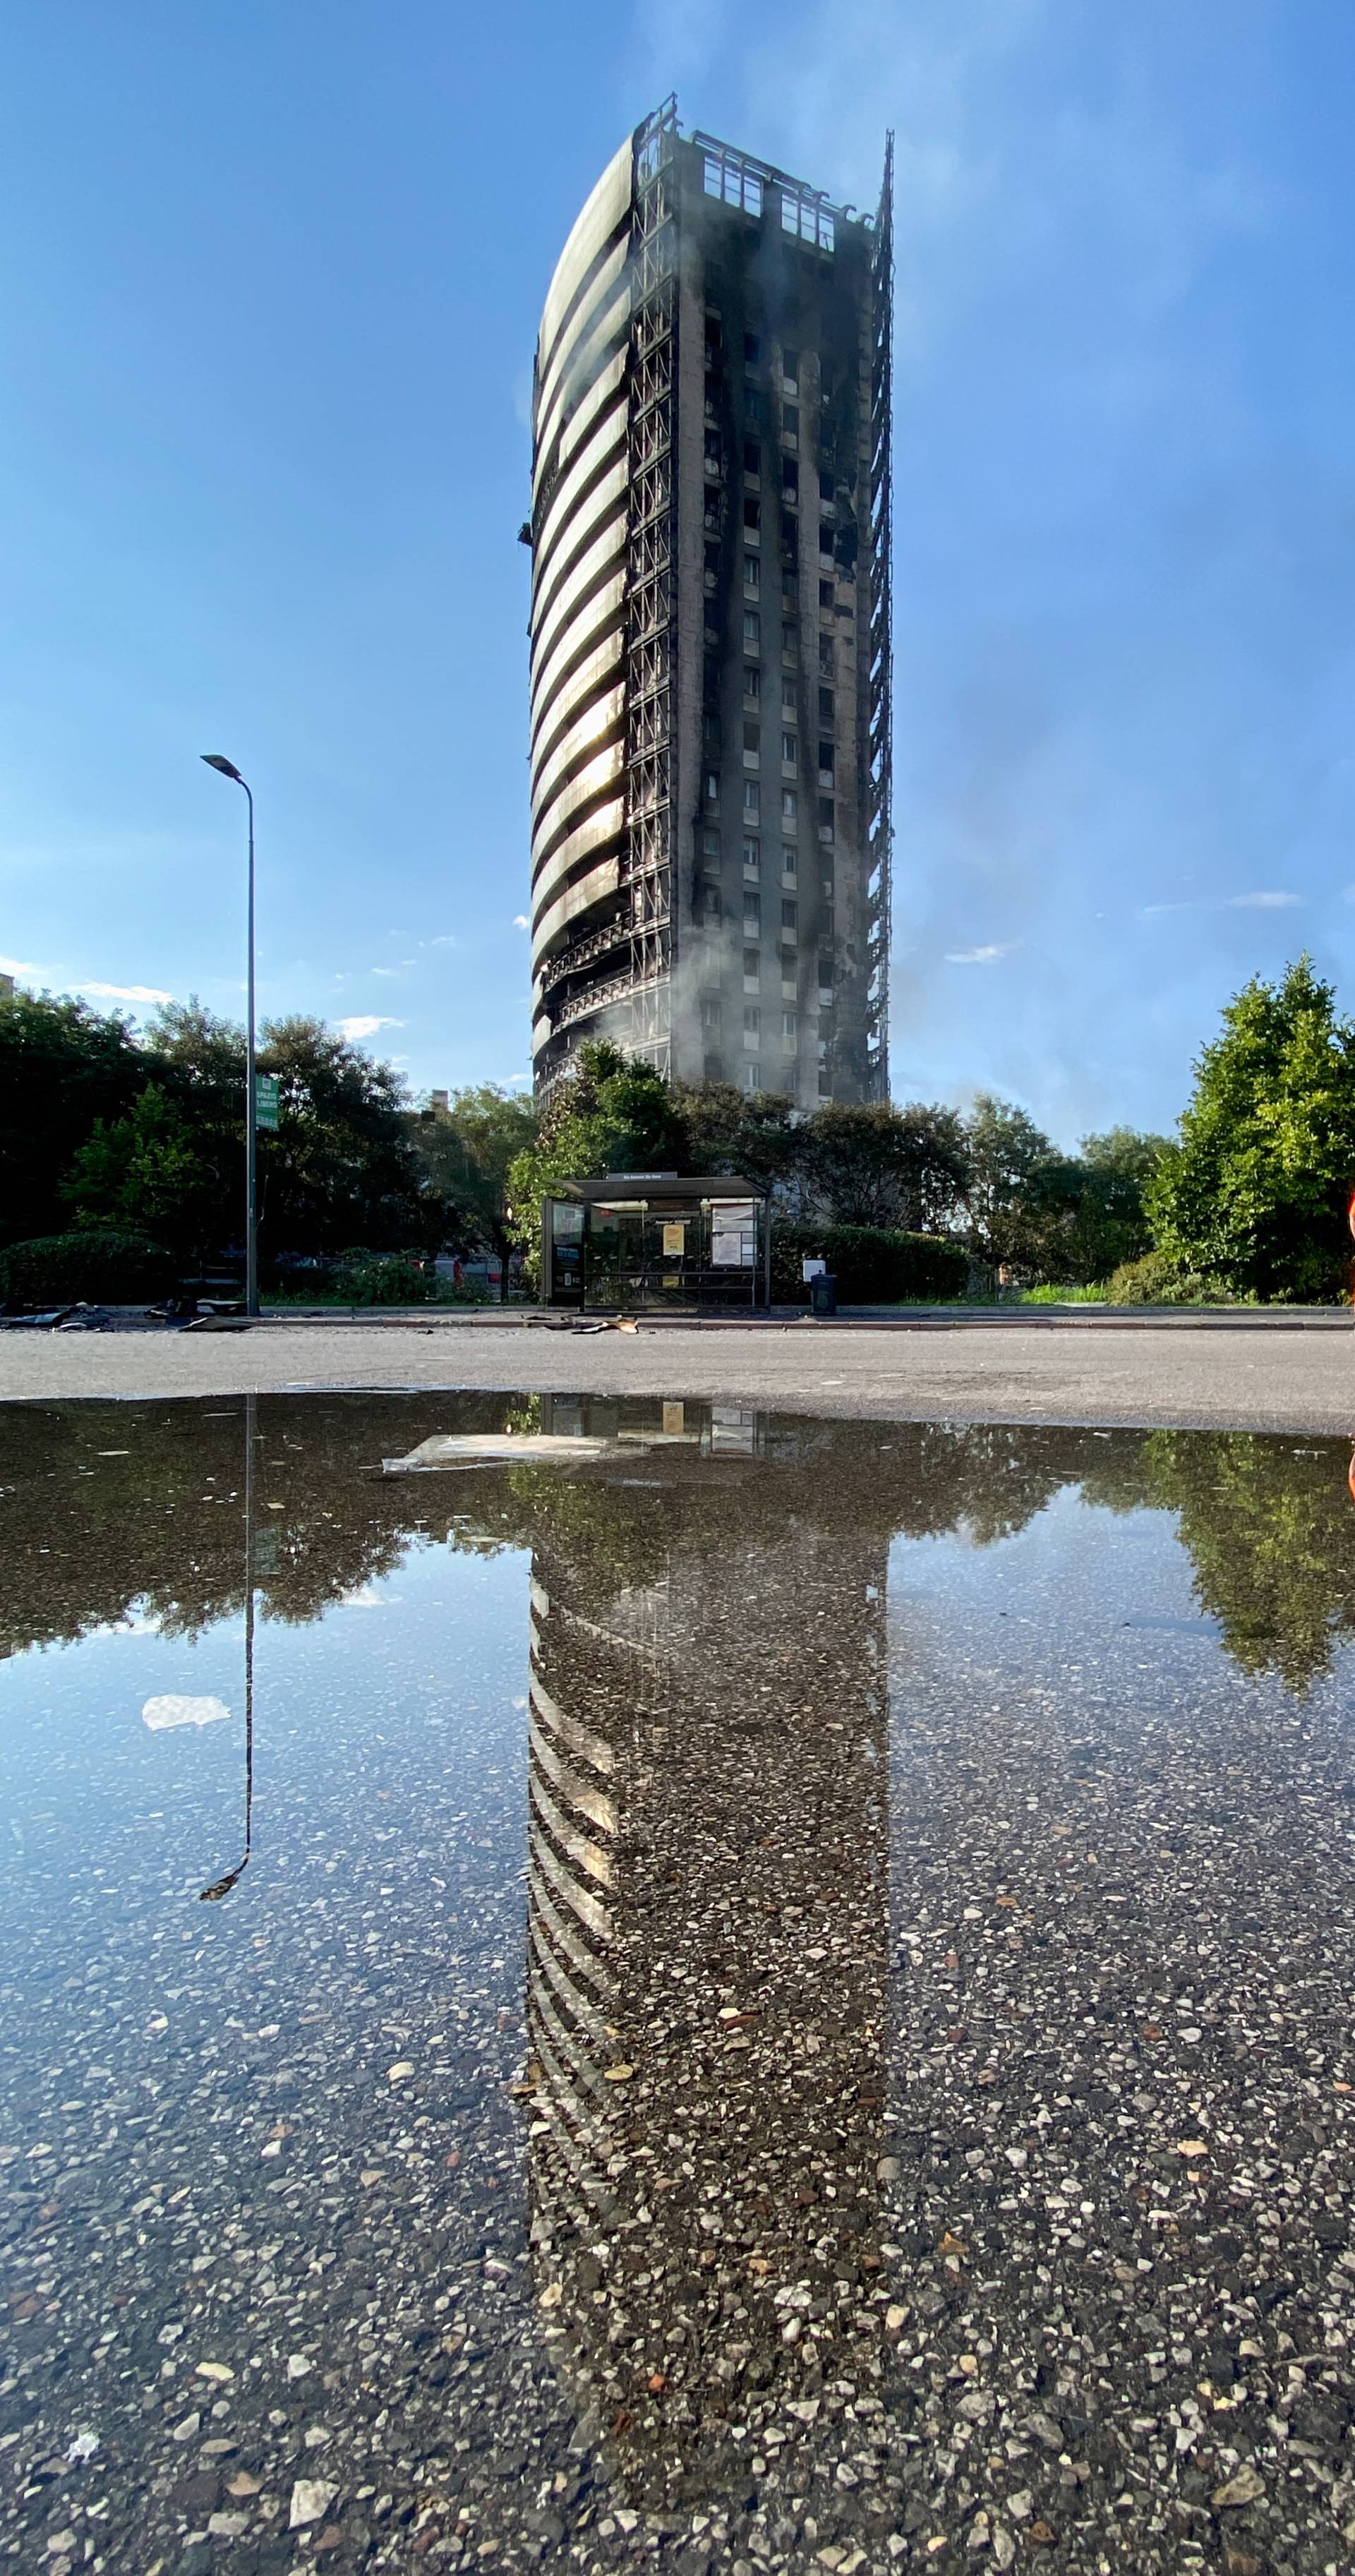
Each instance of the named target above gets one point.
<point>823,1294</point>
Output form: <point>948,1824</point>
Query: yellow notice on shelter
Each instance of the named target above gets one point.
<point>674,1241</point>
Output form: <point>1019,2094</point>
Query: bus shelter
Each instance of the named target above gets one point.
<point>650,1240</point>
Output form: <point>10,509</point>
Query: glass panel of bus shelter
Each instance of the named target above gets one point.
<point>616,1254</point>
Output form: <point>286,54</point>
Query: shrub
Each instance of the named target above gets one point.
<point>1156,1281</point>
<point>872,1265</point>
<point>377,1279</point>
<point>100,1268</point>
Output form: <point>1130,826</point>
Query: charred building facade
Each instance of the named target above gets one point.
<point>710,628</point>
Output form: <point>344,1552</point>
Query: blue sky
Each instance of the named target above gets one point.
<point>269,304</point>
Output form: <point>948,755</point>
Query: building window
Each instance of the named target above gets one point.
<point>752,456</point>
<point>790,583</point>
<point>733,183</point>
<point>790,477</point>
<point>810,222</point>
<point>752,404</point>
<point>714,448</point>
<point>790,749</point>
<point>826,656</point>
<point>752,796</point>
<point>752,572</point>
<point>752,911</point>
<point>789,859</point>
<point>752,516</point>
<point>790,635</point>
<point>710,844</point>
<point>790,804</point>
<point>789,1027</point>
<point>752,1077</point>
<point>825,1083</point>
<point>825,541</point>
<point>712,1068</point>
<point>713,334</point>
<point>790,370</point>
<point>826,978</point>
<point>827,709</point>
<point>711,731</point>
<point>827,487</point>
<point>712,397</point>
<point>789,915</point>
<point>752,1020</point>
<point>712,566</point>
<point>752,965</point>
<point>710,1010</point>
<point>752,858</point>
<point>825,594</point>
<point>825,818</point>
<point>711,896</point>
<point>752,348</point>
<point>752,627</point>
<point>788,696</point>
<point>752,736</point>
<point>752,680</point>
<point>825,764</point>
<point>790,423</point>
<point>712,786</point>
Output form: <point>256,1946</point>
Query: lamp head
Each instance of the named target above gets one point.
<point>218,760</point>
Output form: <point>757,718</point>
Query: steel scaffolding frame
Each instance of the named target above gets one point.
<point>651,593</point>
<point>879,745</point>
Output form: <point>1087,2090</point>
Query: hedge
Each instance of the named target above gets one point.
<point>97,1267</point>
<point>873,1266</point>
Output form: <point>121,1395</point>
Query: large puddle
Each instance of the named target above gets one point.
<point>689,1986</point>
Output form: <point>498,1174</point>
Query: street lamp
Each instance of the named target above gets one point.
<point>216,760</point>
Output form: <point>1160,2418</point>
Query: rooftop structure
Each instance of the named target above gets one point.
<point>710,629</point>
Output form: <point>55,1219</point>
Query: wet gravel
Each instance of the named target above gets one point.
<point>789,2006</point>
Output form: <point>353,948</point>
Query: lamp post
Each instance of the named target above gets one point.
<point>216,760</point>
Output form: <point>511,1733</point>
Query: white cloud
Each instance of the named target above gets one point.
<point>125,992</point>
<point>19,966</point>
<point>980,956</point>
<point>176,1708</point>
<point>520,921</point>
<point>365,1025</point>
<point>1265,902</point>
<point>444,939</point>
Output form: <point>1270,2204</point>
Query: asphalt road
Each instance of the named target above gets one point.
<point>1216,1379</point>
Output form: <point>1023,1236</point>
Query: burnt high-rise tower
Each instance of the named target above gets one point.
<point>710,629</point>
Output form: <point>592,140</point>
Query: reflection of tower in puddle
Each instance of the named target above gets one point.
<point>707,1953</point>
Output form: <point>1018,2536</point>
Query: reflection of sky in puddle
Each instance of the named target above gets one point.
<point>744,2077</point>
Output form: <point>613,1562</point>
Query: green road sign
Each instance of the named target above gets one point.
<point>266,1100</point>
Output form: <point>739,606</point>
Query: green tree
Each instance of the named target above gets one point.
<point>609,1113</point>
<point>63,1067</point>
<point>758,1135</point>
<point>872,1164</point>
<point>144,1175</point>
<point>1252,1194</point>
<point>1086,1210</point>
<point>1009,1159</point>
<point>466,1152</point>
<point>341,1169</point>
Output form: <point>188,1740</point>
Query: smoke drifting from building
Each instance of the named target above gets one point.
<point>711,627</point>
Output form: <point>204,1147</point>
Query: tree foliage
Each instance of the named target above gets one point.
<point>874,1165</point>
<point>144,1174</point>
<point>63,1067</point>
<point>610,1113</point>
<point>1253,1192</point>
<point>466,1152</point>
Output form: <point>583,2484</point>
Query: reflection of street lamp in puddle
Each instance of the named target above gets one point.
<point>223,1886</point>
